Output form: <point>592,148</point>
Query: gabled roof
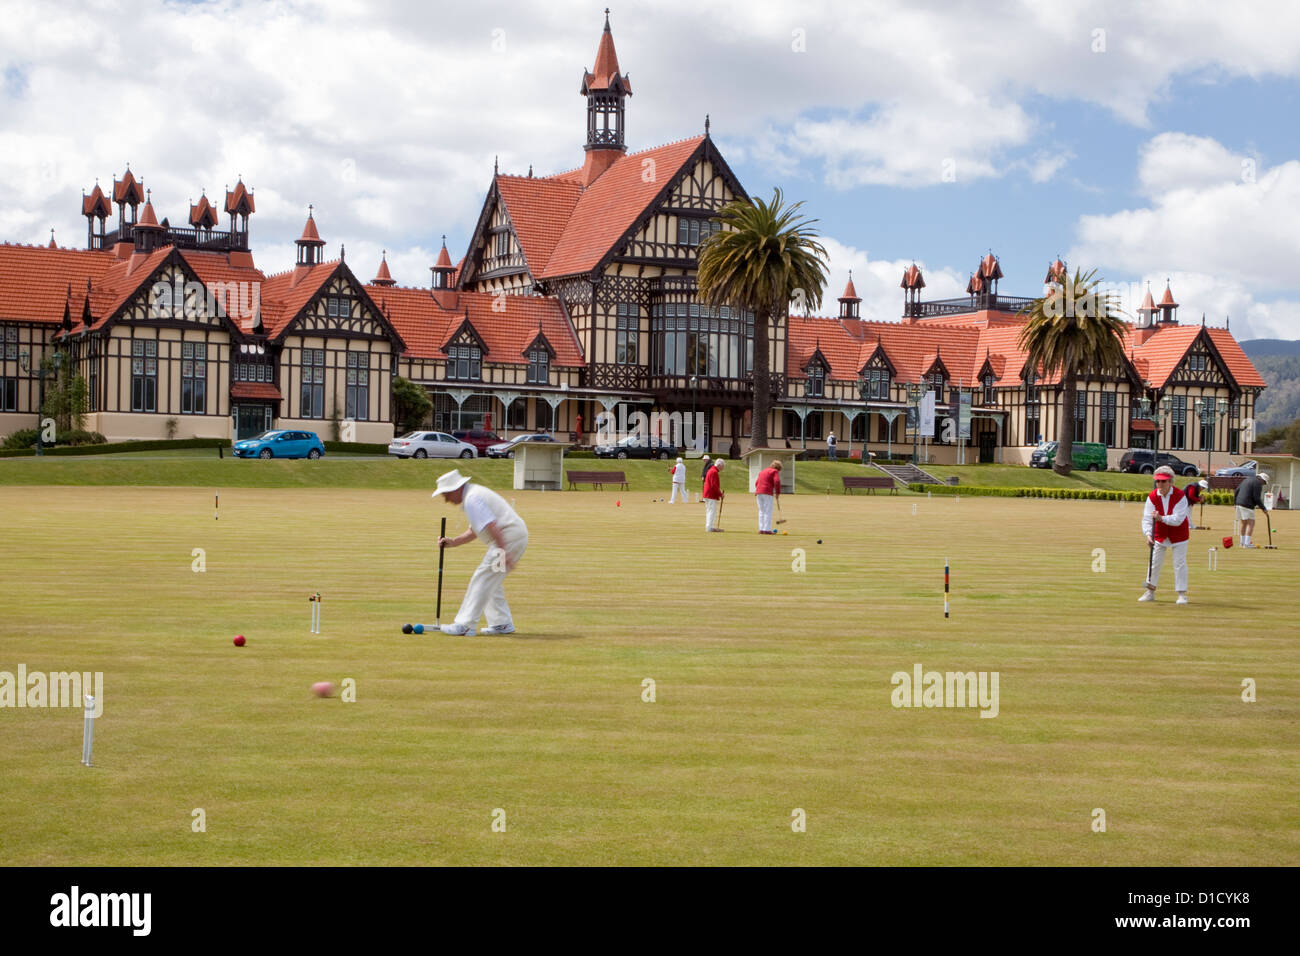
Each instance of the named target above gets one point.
<point>240,199</point>
<point>34,281</point>
<point>128,189</point>
<point>203,213</point>
<point>1163,353</point>
<point>912,278</point>
<point>605,74</point>
<point>426,325</point>
<point>121,282</point>
<point>96,204</point>
<point>285,294</point>
<point>539,210</point>
<point>612,204</point>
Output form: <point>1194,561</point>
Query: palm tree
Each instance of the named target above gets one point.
<point>764,256</point>
<point>1076,331</point>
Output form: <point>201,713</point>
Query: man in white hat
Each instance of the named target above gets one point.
<point>1250,495</point>
<point>1164,522</point>
<point>713,494</point>
<point>679,482</point>
<point>497,525</point>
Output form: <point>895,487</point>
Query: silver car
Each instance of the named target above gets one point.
<point>430,445</point>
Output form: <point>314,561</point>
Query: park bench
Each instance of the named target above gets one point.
<point>1226,482</point>
<point>597,479</point>
<point>870,482</point>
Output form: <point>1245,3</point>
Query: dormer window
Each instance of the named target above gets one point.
<point>877,380</point>
<point>539,367</point>
<point>988,388</point>
<point>465,362</point>
<point>816,381</point>
<point>338,306</point>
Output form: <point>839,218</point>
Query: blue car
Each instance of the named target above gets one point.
<point>281,444</point>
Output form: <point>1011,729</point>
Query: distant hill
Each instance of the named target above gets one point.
<point>1258,348</point>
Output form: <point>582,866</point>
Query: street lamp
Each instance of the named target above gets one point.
<point>25,362</point>
<point>915,392</point>
<point>1209,413</point>
<point>1143,408</point>
<point>695,439</point>
<point>864,389</point>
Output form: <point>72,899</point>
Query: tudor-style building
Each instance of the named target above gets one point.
<point>576,296</point>
<point>852,377</point>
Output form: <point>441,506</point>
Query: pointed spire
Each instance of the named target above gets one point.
<point>706,125</point>
<point>1055,272</point>
<point>55,245</point>
<point>496,167</point>
<point>148,219</point>
<point>309,243</point>
<point>383,276</point>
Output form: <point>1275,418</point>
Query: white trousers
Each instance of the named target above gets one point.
<point>679,488</point>
<point>486,593</point>
<point>1180,564</point>
<point>710,513</point>
<point>764,512</point>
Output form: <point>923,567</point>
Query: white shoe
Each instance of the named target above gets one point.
<point>498,629</point>
<point>1147,595</point>
<point>1251,545</point>
<point>455,628</point>
<point>1182,599</point>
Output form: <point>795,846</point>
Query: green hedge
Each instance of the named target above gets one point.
<point>117,448</point>
<point>357,447</point>
<point>1077,494</point>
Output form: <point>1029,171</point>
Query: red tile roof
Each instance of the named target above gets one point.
<point>990,268</point>
<point>256,390</point>
<point>239,197</point>
<point>285,294</point>
<point>309,234</point>
<point>444,260</point>
<point>383,277</point>
<point>120,282</point>
<point>128,189</point>
<point>147,217</point>
<point>1239,366</point>
<point>34,281</point>
<point>426,325</point>
<point>850,293</point>
<point>203,213</point>
<point>96,204</point>
<point>610,205</point>
<point>912,278</point>
<point>1168,297</point>
<point>605,74</point>
<point>539,209</point>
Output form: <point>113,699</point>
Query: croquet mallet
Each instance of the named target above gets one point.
<point>442,550</point>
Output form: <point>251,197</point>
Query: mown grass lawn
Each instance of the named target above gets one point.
<point>772,685</point>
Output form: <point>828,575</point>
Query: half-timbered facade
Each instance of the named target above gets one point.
<point>576,299</point>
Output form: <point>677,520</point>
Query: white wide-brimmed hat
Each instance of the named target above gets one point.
<point>1264,476</point>
<point>450,482</point>
<point>1203,483</point>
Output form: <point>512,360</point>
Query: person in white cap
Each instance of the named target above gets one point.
<point>1194,492</point>
<point>679,482</point>
<point>497,525</point>
<point>1250,495</point>
<point>1164,522</point>
<point>713,494</point>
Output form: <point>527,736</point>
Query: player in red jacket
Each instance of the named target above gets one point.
<point>767,488</point>
<point>713,495</point>
<point>1164,522</point>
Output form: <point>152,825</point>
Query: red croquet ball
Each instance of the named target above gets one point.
<point>1227,541</point>
<point>323,689</point>
<point>239,640</point>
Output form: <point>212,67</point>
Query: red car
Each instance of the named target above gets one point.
<point>479,439</point>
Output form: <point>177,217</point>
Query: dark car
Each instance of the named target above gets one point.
<point>637,446</point>
<point>1145,461</point>
<point>479,439</point>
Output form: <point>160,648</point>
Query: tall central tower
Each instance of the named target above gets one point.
<point>606,89</point>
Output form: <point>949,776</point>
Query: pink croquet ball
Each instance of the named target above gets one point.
<point>239,640</point>
<point>323,689</point>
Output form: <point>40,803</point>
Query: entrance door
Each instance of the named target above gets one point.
<point>988,440</point>
<point>252,420</point>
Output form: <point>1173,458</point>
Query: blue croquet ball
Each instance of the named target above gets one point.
<point>419,629</point>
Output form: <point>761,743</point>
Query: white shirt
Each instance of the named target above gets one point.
<point>1149,515</point>
<point>483,506</point>
<point>679,474</point>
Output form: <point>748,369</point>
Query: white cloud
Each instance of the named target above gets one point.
<point>877,281</point>
<point>1234,242</point>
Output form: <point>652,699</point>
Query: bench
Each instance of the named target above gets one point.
<point>597,479</point>
<point>1226,482</point>
<point>870,482</point>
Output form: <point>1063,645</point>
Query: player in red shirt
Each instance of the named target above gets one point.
<point>713,494</point>
<point>767,488</point>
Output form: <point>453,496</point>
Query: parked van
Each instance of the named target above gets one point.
<point>1089,455</point>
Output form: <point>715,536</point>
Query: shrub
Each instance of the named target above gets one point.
<point>23,438</point>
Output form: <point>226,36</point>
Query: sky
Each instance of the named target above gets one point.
<point>1149,141</point>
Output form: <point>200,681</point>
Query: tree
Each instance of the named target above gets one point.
<point>765,256</point>
<point>411,404</point>
<point>1075,331</point>
<point>67,398</point>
